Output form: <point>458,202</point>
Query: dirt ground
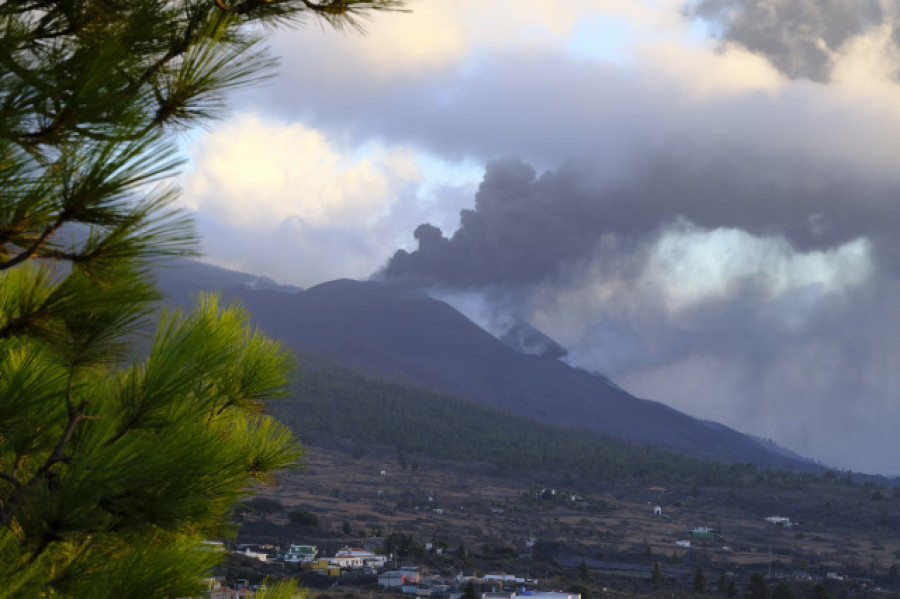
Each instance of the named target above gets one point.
<point>529,528</point>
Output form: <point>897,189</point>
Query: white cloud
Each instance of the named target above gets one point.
<point>689,265</point>
<point>254,173</point>
<point>284,200</point>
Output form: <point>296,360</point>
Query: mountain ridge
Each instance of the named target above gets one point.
<point>400,332</point>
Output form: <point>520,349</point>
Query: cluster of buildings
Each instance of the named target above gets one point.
<point>346,558</point>
<point>407,579</point>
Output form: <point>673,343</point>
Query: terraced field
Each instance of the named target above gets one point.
<point>548,528</point>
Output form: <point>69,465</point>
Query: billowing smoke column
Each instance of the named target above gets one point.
<point>527,229</point>
<point>733,254</point>
<point>751,289</point>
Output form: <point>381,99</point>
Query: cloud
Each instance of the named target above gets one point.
<point>251,172</point>
<point>711,221</point>
<point>802,38</point>
<point>282,199</point>
<point>731,286</point>
<point>526,229</point>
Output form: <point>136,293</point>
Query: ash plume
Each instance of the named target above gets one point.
<point>747,288</point>
<point>527,229</point>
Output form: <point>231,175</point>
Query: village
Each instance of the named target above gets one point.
<point>356,567</point>
<point>342,527</point>
<point>412,580</point>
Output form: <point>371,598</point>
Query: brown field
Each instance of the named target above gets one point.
<point>613,531</point>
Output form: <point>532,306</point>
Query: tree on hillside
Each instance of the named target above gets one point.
<point>819,592</point>
<point>699,583</point>
<point>758,588</point>
<point>656,577</point>
<point>783,590</point>
<point>115,468</point>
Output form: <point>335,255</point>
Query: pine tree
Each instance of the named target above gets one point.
<point>699,580</point>
<point>115,467</point>
<point>783,590</point>
<point>758,588</point>
<point>731,590</point>
<point>819,592</point>
<point>656,577</point>
<point>583,571</point>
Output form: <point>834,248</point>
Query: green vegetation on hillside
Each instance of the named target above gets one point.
<point>415,420</point>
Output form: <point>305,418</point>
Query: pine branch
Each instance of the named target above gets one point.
<point>38,242</point>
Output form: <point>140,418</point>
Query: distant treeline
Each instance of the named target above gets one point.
<point>370,411</point>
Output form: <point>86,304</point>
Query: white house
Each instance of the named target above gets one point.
<point>780,521</point>
<point>549,595</point>
<point>355,557</point>
<point>301,554</point>
<point>254,554</point>
<point>504,578</point>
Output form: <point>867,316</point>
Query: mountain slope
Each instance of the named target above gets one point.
<point>401,333</point>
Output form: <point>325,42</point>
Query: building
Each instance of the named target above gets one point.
<point>247,552</point>
<point>780,521</point>
<point>355,557</point>
<point>323,565</point>
<point>301,554</point>
<point>397,579</point>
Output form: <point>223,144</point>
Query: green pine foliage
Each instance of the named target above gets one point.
<point>107,470</point>
<point>114,466</point>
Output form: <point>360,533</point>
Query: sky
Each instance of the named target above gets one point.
<point>699,199</point>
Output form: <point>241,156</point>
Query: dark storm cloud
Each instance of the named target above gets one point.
<point>806,361</point>
<point>797,36</point>
<point>526,229</point>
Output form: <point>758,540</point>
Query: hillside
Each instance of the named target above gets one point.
<point>838,526</point>
<point>402,334</point>
<point>332,405</point>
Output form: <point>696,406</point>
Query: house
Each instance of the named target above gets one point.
<point>504,578</point>
<point>530,594</point>
<point>263,557</point>
<point>780,521</point>
<point>301,554</point>
<point>325,566</point>
<point>356,557</point>
<point>397,579</point>
<point>549,595</point>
